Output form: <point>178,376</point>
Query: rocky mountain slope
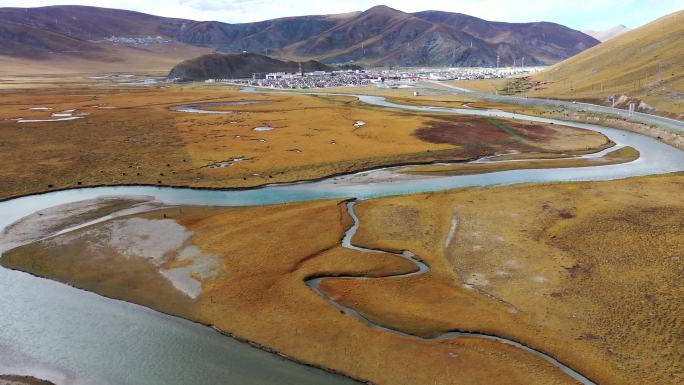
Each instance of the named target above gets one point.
<point>378,36</point>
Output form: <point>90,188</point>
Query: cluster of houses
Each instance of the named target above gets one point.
<point>380,77</point>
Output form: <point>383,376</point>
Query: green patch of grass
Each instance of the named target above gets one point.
<point>506,129</point>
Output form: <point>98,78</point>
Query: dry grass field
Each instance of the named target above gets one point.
<point>590,270</point>
<point>587,272</point>
<point>130,135</point>
<point>646,64</point>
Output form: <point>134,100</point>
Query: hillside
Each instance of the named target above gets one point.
<point>378,36</point>
<point>539,43</point>
<point>233,66</point>
<point>645,64</point>
<point>74,39</point>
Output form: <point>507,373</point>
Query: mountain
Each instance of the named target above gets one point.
<point>539,43</point>
<point>377,36</point>
<point>608,34</point>
<point>232,66</point>
<point>384,36</point>
<point>68,39</point>
<point>259,37</point>
<point>37,32</point>
<point>645,64</point>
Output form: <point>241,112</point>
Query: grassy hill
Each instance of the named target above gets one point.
<point>645,64</point>
<point>235,66</point>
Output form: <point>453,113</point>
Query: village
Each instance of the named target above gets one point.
<point>400,77</point>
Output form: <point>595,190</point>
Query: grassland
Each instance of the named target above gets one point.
<point>128,135</point>
<point>588,272</point>
<point>159,58</point>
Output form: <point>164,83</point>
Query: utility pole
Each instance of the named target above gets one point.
<point>660,72</point>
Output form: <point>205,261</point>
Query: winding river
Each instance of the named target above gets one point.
<point>71,336</point>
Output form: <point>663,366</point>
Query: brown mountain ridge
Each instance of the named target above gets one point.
<point>378,36</point>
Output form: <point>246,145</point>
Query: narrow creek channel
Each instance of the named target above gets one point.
<point>422,268</point>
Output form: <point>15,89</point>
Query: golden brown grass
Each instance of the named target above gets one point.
<point>588,272</point>
<point>142,142</point>
<point>646,64</point>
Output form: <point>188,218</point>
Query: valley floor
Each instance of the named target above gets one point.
<point>567,269</point>
<point>586,272</point>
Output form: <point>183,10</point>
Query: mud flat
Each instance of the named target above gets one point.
<point>22,380</point>
<point>54,220</point>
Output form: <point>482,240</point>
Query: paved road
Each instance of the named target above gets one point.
<point>640,117</point>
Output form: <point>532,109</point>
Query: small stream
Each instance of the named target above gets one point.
<point>422,268</point>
